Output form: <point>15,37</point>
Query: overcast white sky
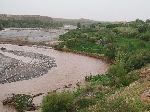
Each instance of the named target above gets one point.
<point>103,10</point>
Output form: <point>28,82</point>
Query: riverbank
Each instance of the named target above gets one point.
<point>39,36</point>
<point>93,55</point>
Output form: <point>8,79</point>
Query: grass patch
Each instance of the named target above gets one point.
<point>58,102</point>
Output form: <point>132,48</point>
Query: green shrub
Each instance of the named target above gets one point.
<point>20,102</point>
<point>117,74</point>
<point>98,79</point>
<point>110,51</point>
<point>143,28</point>
<point>1,27</point>
<point>137,59</point>
<point>84,103</point>
<point>58,102</point>
<point>145,36</point>
<point>142,44</point>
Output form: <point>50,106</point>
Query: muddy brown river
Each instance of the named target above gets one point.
<point>71,69</point>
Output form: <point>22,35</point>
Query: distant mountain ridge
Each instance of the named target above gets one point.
<point>25,17</point>
<point>75,21</point>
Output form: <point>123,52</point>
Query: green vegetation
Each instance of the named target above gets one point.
<point>1,27</point>
<point>29,24</point>
<point>21,102</point>
<point>100,39</point>
<point>58,102</point>
<point>78,25</point>
<point>127,45</point>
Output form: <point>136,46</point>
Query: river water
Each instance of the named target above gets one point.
<point>71,69</point>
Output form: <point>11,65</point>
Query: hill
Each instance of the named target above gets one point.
<point>46,19</point>
<point>75,21</point>
<point>25,17</point>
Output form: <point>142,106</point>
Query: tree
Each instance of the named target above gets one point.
<point>78,25</point>
<point>145,36</point>
<point>92,26</point>
<point>139,21</point>
<point>1,27</point>
<point>143,28</point>
<point>148,21</point>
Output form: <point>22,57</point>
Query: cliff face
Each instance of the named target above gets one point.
<point>25,17</point>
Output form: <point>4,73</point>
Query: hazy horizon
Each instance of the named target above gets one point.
<point>100,10</point>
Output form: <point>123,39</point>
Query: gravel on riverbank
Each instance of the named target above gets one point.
<point>12,70</point>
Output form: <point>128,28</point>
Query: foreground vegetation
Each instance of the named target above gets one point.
<point>124,88</point>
